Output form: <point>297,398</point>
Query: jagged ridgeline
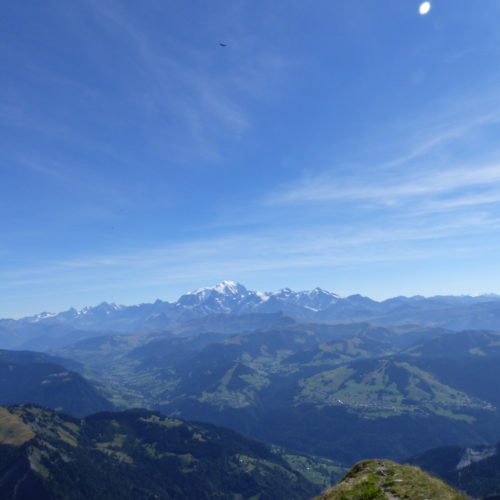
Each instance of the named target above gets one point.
<point>386,480</point>
<point>47,331</point>
<point>135,454</point>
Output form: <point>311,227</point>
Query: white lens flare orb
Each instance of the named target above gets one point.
<point>424,8</point>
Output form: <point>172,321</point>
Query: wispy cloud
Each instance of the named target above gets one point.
<point>435,172</point>
<point>208,98</point>
<point>244,255</point>
<point>487,197</point>
<point>394,190</point>
<point>427,137</point>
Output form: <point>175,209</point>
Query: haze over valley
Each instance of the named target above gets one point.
<point>325,381</point>
<point>249,250</point>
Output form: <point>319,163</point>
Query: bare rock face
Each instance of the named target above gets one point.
<point>473,455</point>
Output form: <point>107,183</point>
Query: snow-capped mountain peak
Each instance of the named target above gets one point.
<point>224,288</point>
<point>42,316</point>
<point>227,297</point>
<point>320,292</point>
<point>218,298</point>
<point>103,307</point>
<point>232,298</point>
<point>230,288</point>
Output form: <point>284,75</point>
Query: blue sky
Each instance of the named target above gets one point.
<point>348,145</point>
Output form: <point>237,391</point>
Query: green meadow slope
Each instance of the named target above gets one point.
<point>386,480</point>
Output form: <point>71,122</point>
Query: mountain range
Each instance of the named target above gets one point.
<point>344,391</point>
<point>325,381</point>
<point>46,330</point>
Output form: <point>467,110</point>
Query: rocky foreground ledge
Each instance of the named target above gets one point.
<point>386,480</point>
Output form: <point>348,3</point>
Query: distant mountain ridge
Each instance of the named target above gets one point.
<point>228,297</point>
<point>49,381</point>
<point>475,470</point>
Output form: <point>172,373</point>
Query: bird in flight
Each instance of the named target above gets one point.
<point>222,44</point>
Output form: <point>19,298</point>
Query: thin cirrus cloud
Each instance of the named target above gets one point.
<point>245,254</point>
<point>313,252</point>
<point>487,197</point>
<point>209,100</point>
<point>434,170</point>
<point>420,184</point>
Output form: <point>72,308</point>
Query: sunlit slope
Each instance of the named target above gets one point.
<point>386,387</point>
<point>386,480</point>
